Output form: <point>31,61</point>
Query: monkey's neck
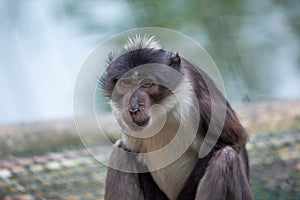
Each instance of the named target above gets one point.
<point>155,142</point>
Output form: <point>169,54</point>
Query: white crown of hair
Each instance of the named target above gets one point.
<point>138,42</point>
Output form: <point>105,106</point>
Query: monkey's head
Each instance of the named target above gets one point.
<point>141,76</point>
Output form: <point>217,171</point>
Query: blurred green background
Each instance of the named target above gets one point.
<point>254,43</point>
<point>43,44</point>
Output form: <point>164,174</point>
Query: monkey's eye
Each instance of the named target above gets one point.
<point>148,82</point>
<point>126,82</point>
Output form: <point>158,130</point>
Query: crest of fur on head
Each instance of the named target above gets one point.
<point>137,42</point>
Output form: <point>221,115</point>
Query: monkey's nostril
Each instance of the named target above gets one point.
<point>133,110</point>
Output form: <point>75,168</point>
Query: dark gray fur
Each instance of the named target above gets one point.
<point>222,174</point>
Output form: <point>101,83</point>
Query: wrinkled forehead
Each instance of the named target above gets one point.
<point>162,74</point>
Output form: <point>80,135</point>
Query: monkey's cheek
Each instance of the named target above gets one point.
<point>127,119</point>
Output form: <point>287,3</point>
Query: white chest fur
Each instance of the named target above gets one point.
<point>172,178</point>
<point>170,168</point>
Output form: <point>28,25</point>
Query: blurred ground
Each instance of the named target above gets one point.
<point>73,173</point>
<point>70,174</point>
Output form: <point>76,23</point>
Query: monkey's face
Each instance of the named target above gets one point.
<point>139,90</point>
<point>134,96</point>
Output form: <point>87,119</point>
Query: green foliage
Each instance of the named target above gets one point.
<point>244,38</point>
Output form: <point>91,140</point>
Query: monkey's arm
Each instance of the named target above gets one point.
<point>119,184</point>
<point>225,178</point>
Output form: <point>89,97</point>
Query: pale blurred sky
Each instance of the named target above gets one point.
<point>40,58</point>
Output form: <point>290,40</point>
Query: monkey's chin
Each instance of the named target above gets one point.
<point>135,125</point>
<point>147,126</point>
<point>142,123</point>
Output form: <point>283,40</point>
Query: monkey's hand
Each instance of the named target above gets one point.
<point>120,144</point>
<point>225,178</point>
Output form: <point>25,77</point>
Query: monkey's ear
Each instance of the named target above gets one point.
<point>175,60</point>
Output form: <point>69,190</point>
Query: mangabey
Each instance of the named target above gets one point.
<point>222,173</point>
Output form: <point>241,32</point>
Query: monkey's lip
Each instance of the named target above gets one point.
<point>142,122</point>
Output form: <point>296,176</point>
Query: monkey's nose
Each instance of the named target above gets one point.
<point>133,110</point>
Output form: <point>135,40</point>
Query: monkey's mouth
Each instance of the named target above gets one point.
<point>139,118</point>
<point>141,123</point>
